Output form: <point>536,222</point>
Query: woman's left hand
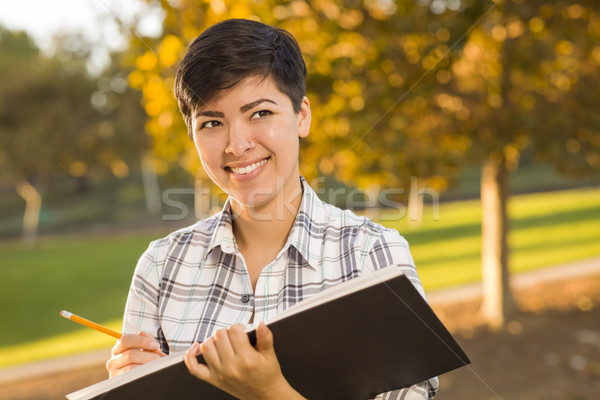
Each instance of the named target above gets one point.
<point>234,366</point>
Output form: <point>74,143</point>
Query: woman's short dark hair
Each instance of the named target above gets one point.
<point>232,50</point>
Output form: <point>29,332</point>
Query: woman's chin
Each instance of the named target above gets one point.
<point>253,206</point>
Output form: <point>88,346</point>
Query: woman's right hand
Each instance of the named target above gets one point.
<point>132,350</point>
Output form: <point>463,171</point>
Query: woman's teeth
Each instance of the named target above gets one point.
<point>249,168</point>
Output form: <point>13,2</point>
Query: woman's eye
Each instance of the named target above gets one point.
<point>261,114</point>
<point>210,124</point>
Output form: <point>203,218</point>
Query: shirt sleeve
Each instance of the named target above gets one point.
<point>142,307</point>
<point>391,248</point>
<point>422,391</point>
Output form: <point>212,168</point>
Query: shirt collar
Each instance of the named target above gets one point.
<point>223,234</point>
<point>306,234</point>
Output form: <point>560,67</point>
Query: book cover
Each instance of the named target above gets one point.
<point>366,336</point>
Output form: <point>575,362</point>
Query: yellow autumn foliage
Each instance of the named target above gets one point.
<point>396,90</point>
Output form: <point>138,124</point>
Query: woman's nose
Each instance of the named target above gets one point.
<point>240,141</point>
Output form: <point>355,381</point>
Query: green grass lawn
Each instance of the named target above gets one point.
<point>87,276</point>
<point>90,276</point>
<point>546,229</point>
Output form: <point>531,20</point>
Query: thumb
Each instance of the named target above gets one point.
<point>264,339</point>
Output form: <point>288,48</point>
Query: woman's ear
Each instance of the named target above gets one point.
<point>304,118</point>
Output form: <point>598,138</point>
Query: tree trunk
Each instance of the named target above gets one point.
<point>151,185</point>
<point>415,204</point>
<point>201,200</point>
<point>33,206</point>
<point>498,303</point>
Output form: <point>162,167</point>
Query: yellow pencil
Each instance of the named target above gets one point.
<point>90,324</point>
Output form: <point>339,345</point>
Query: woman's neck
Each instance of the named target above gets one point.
<point>266,226</point>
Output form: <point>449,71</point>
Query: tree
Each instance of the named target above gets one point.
<point>46,120</point>
<point>528,72</point>
<point>122,143</point>
<point>56,121</point>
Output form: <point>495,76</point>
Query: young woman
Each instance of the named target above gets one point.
<point>241,91</point>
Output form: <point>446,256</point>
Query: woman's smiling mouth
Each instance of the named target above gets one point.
<point>247,169</point>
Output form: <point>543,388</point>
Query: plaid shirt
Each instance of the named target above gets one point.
<point>194,281</point>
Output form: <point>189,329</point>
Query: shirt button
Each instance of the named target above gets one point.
<point>245,298</point>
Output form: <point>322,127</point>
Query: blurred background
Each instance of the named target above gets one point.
<point>472,127</point>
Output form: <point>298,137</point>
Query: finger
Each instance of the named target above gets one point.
<point>112,374</point>
<point>135,356</point>
<point>135,341</point>
<point>128,359</point>
<point>223,345</point>
<point>148,335</point>
<point>210,354</point>
<point>197,369</point>
<point>239,339</point>
<point>264,339</point>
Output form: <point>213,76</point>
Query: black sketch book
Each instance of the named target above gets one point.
<point>366,336</point>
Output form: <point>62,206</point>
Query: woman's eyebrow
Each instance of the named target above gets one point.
<point>244,108</point>
<point>253,104</point>
<point>209,113</point>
